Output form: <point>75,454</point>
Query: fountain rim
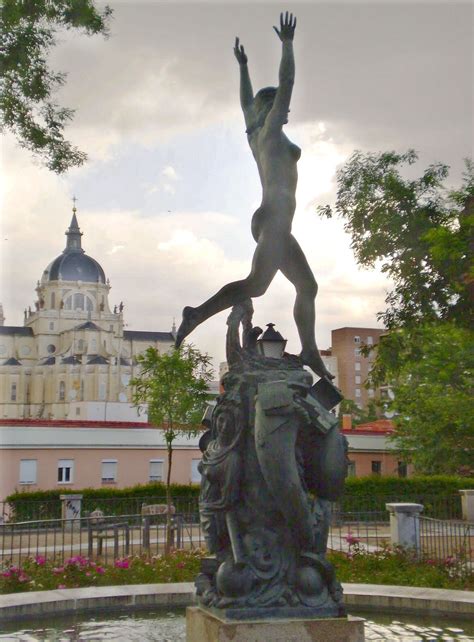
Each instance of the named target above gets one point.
<point>364,597</point>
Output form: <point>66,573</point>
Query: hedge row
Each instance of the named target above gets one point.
<point>439,495</point>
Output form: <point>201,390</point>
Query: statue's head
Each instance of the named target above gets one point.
<point>263,102</point>
<point>225,423</point>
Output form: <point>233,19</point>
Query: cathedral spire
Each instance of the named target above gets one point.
<point>74,233</point>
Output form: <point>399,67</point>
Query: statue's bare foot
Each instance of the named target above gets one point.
<point>190,321</point>
<point>313,360</point>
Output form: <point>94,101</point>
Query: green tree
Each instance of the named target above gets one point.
<point>420,233</point>
<point>174,386</point>
<point>29,31</point>
<point>430,369</point>
<point>422,236</point>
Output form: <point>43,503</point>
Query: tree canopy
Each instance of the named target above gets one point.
<point>29,31</point>
<point>421,233</point>
<point>174,385</point>
<point>430,370</point>
<point>422,236</point>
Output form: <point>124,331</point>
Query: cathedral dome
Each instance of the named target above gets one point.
<point>74,264</point>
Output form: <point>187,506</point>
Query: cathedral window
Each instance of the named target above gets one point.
<point>13,392</point>
<point>62,391</point>
<point>53,300</point>
<point>78,301</point>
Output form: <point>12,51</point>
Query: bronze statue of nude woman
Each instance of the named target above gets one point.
<point>277,249</point>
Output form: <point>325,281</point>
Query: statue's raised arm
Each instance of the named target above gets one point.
<point>278,115</point>
<point>246,91</point>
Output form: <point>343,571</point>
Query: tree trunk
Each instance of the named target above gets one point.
<point>169,533</point>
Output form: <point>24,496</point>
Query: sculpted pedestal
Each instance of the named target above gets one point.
<point>273,460</point>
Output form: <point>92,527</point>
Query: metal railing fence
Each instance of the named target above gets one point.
<point>107,540</point>
<point>443,540</point>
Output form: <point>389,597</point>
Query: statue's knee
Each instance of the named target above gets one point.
<point>258,289</point>
<point>309,288</point>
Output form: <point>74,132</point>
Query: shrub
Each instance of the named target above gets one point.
<point>438,493</point>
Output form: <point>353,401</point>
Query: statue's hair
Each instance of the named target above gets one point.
<point>266,93</point>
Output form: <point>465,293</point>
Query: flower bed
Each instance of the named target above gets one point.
<point>41,574</point>
<point>401,567</point>
<point>387,566</point>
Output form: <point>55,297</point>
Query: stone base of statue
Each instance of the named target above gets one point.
<point>204,626</point>
<point>273,461</point>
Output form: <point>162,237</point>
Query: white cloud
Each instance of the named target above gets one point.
<point>116,248</point>
<point>170,172</point>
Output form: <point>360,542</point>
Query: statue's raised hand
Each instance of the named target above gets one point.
<point>287,27</point>
<point>240,53</point>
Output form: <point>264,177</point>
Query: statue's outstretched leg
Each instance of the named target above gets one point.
<point>296,269</point>
<point>265,265</point>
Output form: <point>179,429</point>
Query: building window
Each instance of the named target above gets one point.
<point>51,325</point>
<point>357,392</point>
<point>53,300</point>
<point>28,471</point>
<point>65,471</point>
<point>402,469</point>
<point>356,339</point>
<point>195,474</point>
<point>357,352</point>
<point>78,411</point>
<point>357,366</point>
<point>62,391</point>
<point>370,341</point>
<point>109,471</point>
<point>357,379</point>
<point>351,469</point>
<point>156,470</point>
<point>102,390</point>
<point>371,392</point>
<point>13,392</point>
<point>78,302</point>
<point>376,467</point>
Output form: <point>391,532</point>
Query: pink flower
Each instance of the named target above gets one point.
<point>122,563</point>
<point>180,565</point>
<point>40,560</point>
<point>61,586</point>
<point>351,540</point>
<point>58,570</point>
<point>100,570</point>
<point>22,577</point>
<point>88,574</point>
<point>7,574</point>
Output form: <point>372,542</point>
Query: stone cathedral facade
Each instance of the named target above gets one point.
<point>72,358</point>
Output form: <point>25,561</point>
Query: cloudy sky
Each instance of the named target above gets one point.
<point>167,195</point>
